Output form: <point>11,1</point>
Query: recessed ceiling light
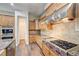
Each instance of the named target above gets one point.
<point>12,4</point>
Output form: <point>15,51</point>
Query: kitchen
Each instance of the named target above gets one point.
<point>48,29</point>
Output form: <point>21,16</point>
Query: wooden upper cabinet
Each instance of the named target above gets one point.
<point>39,41</point>
<point>6,20</point>
<point>77,10</point>
<point>53,7</point>
<point>50,10</point>
<point>70,12</point>
<point>11,21</point>
<point>47,5</point>
<point>43,16</point>
<point>32,25</point>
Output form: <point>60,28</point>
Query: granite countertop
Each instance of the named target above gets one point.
<point>74,51</point>
<point>5,43</point>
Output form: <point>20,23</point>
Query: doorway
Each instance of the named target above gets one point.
<point>22,29</point>
<point>23,40</point>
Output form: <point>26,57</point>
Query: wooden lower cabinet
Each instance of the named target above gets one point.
<point>47,51</point>
<point>32,38</point>
<point>3,52</point>
<point>39,41</point>
<point>52,53</point>
<point>11,49</point>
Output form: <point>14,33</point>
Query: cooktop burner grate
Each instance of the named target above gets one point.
<point>63,44</point>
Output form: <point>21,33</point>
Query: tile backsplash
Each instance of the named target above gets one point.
<point>64,31</point>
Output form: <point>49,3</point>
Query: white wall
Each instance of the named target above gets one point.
<point>25,15</point>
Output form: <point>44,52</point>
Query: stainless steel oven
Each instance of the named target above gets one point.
<point>7,33</point>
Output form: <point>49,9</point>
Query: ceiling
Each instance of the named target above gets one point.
<point>33,8</point>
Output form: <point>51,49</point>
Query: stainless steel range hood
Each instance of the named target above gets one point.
<point>67,11</point>
<point>61,13</point>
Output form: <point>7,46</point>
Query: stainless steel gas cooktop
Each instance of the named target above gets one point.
<point>63,44</point>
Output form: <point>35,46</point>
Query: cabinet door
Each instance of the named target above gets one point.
<point>70,12</point>
<point>32,25</point>
<point>7,20</point>
<point>39,41</point>
<point>53,53</point>
<point>53,8</point>
<point>11,49</point>
<point>45,50</point>
<point>3,52</point>
<point>11,21</point>
<point>32,38</point>
<point>77,10</point>
<point>50,10</point>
